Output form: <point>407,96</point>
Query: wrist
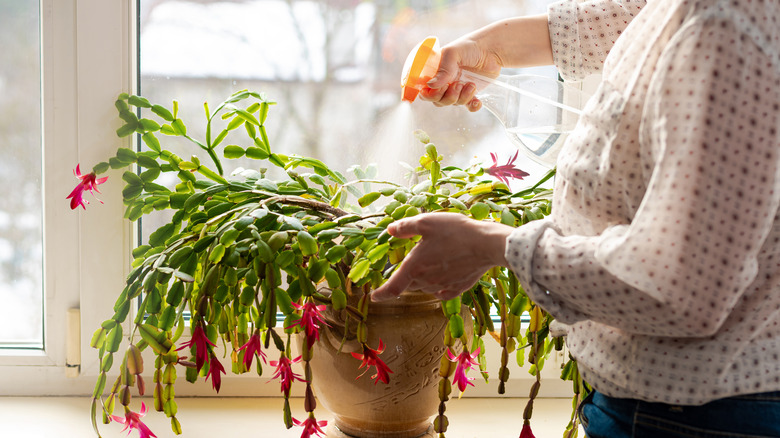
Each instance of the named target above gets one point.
<point>494,237</point>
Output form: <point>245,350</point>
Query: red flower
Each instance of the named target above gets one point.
<point>310,321</point>
<point>201,343</point>
<point>215,368</point>
<point>253,346</point>
<point>465,361</point>
<point>311,426</point>
<point>526,432</point>
<point>132,420</point>
<point>370,358</point>
<point>89,182</point>
<point>505,171</point>
<point>285,373</point>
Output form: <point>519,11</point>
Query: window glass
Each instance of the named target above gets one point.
<point>333,66</point>
<point>21,290</point>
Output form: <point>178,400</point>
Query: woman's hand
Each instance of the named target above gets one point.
<point>454,252</point>
<point>447,87</point>
<point>514,42</point>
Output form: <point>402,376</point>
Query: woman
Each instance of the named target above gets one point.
<point>659,254</point>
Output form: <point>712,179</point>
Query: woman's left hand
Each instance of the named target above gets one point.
<point>453,253</point>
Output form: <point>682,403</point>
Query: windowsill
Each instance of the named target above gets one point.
<point>68,417</point>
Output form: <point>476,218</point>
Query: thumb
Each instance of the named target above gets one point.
<point>441,79</point>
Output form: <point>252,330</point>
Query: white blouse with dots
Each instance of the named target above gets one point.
<point>662,252</point>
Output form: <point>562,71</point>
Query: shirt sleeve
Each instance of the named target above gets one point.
<point>582,34</point>
<point>709,129</point>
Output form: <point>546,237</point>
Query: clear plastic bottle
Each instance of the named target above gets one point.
<point>537,112</point>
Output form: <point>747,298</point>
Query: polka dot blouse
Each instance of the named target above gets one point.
<point>662,254</point>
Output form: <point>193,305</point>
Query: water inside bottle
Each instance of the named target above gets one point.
<point>541,143</point>
<point>537,112</point>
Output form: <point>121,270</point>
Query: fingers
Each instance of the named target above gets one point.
<point>398,282</point>
<point>405,228</point>
<point>446,88</point>
<point>445,295</point>
<point>443,78</point>
<point>456,93</point>
<point>436,264</point>
<point>451,96</point>
<point>425,224</point>
<point>449,69</point>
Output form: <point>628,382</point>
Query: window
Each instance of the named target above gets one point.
<point>21,239</point>
<point>339,93</point>
<point>81,255</point>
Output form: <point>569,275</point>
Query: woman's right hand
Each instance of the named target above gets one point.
<point>447,87</point>
<point>514,42</point>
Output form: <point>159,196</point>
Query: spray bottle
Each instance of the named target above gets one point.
<point>537,112</point>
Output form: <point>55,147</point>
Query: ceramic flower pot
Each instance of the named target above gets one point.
<point>412,331</point>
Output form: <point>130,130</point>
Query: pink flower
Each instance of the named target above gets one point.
<point>253,346</point>
<point>285,373</point>
<point>201,343</point>
<point>310,321</point>
<point>311,426</point>
<point>526,432</point>
<point>465,361</point>
<point>370,358</point>
<point>215,368</point>
<point>505,171</point>
<point>132,420</point>
<point>89,183</point>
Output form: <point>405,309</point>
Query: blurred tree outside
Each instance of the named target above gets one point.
<point>333,66</point>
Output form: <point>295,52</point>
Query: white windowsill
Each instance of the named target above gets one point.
<point>68,417</point>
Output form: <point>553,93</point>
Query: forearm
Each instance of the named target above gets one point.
<point>516,42</point>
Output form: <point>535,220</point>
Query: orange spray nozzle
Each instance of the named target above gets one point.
<point>420,66</point>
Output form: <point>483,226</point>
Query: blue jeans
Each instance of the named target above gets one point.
<point>747,416</point>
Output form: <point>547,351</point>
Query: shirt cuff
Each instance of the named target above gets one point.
<point>519,253</point>
<point>565,39</point>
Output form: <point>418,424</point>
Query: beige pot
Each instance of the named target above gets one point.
<point>412,329</point>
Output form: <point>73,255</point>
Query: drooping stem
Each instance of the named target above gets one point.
<point>446,369</point>
<point>303,202</point>
<point>503,371</point>
<point>310,403</point>
<point>529,407</point>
